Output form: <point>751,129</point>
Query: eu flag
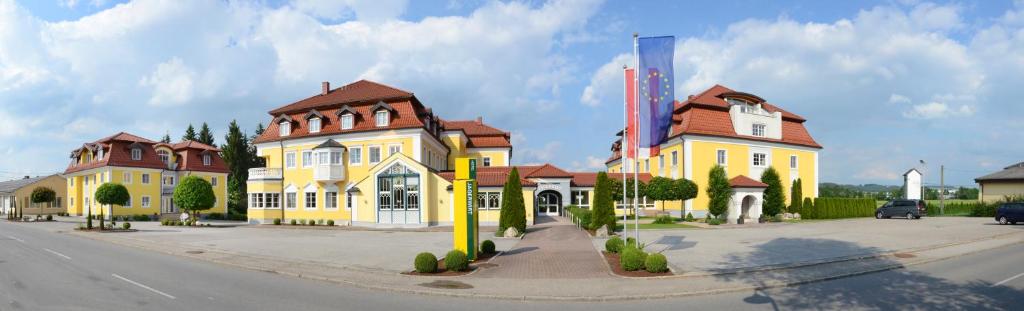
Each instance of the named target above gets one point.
<point>656,96</point>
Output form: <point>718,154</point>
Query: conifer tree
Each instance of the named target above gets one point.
<point>719,191</point>
<point>604,210</point>
<point>774,198</point>
<point>190,134</point>
<point>205,136</point>
<point>513,208</point>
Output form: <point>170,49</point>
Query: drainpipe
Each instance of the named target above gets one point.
<point>281,199</point>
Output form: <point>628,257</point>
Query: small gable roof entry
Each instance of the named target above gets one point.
<point>746,182</point>
<point>382,105</point>
<point>346,109</point>
<point>313,114</point>
<point>330,143</point>
<point>283,118</point>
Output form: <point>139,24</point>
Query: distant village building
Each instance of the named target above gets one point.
<point>17,194</point>
<point>1007,182</point>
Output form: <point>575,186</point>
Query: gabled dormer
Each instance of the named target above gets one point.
<point>136,150</point>
<point>314,121</point>
<point>284,124</point>
<point>750,118</point>
<point>382,114</point>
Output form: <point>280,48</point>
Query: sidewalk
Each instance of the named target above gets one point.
<point>552,249</point>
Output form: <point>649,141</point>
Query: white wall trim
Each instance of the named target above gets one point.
<point>747,142</point>
<point>688,168</point>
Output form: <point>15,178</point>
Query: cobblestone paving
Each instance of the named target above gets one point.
<point>553,248</point>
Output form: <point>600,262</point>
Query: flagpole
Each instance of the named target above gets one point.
<point>623,149</point>
<point>636,120</point>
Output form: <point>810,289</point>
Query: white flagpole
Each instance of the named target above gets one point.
<point>623,149</point>
<point>636,159</point>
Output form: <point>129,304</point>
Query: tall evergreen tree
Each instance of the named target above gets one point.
<point>190,134</point>
<point>236,153</point>
<point>254,160</point>
<point>604,209</point>
<point>796,196</point>
<point>205,136</point>
<point>166,139</point>
<point>513,208</point>
<point>719,191</point>
<point>774,198</point>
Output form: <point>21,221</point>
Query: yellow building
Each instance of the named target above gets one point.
<point>150,170</point>
<point>739,131</point>
<point>368,154</point>
<point>1000,185</point>
<point>17,195</point>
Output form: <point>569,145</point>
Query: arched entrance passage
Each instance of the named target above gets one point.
<point>549,203</point>
<point>748,202</point>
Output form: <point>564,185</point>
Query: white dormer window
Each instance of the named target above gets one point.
<point>206,159</point>
<point>165,157</point>
<point>346,121</point>
<point>758,130</point>
<point>99,156</point>
<point>314,125</point>
<point>382,118</point>
<point>136,154</point>
<point>284,129</point>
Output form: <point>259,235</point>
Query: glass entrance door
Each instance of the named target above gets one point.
<point>548,203</point>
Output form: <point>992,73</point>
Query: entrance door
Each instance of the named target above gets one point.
<point>167,206</point>
<point>398,196</point>
<point>549,203</point>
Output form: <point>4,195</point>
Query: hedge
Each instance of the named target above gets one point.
<point>972,209</point>
<point>835,208</point>
<point>582,215</point>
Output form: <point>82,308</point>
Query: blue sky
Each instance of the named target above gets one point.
<point>883,83</point>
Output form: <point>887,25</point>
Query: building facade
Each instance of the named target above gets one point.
<point>739,131</point>
<point>998,186</point>
<point>150,170</point>
<point>16,195</point>
<point>368,154</point>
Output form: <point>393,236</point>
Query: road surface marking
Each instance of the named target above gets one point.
<point>56,253</point>
<point>16,239</point>
<point>143,286</point>
<point>1007,280</point>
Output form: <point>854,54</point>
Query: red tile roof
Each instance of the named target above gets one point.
<point>359,91</point>
<point>404,116</point>
<point>480,135</point>
<point>742,181</point>
<point>117,152</point>
<point>589,179</point>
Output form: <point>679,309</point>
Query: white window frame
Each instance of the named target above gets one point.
<point>675,159</point>
<point>207,160</point>
<point>722,157</point>
<point>291,203</point>
<point>126,178</point>
<point>328,202</point>
<point>369,154</point>
<point>647,165</point>
<point>318,125</point>
<point>754,159</point>
<point>382,117</point>
<point>145,179</point>
<point>289,159</point>
<point>146,201</point>
<point>307,159</point>
<point>487,161</point>
<point>165,157</point>
<point>793,162</point>
<point>213,181</point>
<point>136,154</point>
<point>347,121</point>
<point>284,128</point>
<point>357,152</point>
<point>394,148</point>
<point>661,162</point>
<point>758,129</point>
<point>129,205</point>
<point>349,201</point>
<point>335,157</point>
<point>306,202</point>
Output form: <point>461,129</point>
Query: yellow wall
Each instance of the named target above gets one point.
<point>23,197</point>
<point>996,191</point>
<point>738,162</point>
<point>136,188</point>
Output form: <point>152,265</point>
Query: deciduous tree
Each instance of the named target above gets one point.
<point>111,194</point>
<point>194,194</point>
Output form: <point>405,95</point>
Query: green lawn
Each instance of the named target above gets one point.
<point>658,226</point>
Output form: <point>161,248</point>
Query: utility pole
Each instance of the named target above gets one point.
<point>942,189</point>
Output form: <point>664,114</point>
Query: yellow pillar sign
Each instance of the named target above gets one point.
<point>466,231</point>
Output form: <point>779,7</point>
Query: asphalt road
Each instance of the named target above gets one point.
<point>40,270</point>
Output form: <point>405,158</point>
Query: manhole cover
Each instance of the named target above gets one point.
<point>486,265</point>
<point>446,284</point>
<point>905,255</point>
<point>194,252</point>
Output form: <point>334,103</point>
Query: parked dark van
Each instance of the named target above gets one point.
<point>911,209</point>
<point>1010,213</point>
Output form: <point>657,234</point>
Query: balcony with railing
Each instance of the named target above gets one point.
<point>329,172</point>
<point>263,173</point>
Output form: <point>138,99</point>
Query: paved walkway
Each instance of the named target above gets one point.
<point>552,249</point>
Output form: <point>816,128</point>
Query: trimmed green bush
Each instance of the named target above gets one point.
<point>632,259</point>
<point>311,222</point>
<point>456,260</point>
<point>774,198</point>
<point>293,222</point>
<point>777,218</point>
<point>513,207</point>
<point>277,221</point>
<point>330,223</point>
<point>49,217</point>
<point>689,217</point>
<point>604,204</point>
<point>487,247</point>
<point>614,245</point>
<point>126,225</point>
<point>836,208</point>
<point>715,221</point>
<point>719,191</point>
<point>583,216</point>
<point>796,196</point>
<point>656,263</point>
<point>663,219</point>
<point>426,263</point>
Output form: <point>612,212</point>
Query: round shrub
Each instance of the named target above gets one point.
<point>330,223</point>
<point>656,263</point>
<point>277,221</point>
<point>126,226</point>
<point>49,217</point>
<point>632,259</point>
<point>311,222</point>
<point>487,247</point>
<point>293,222</point>
<point>456,260</point>
<point>426,263</point>
<point>163,222</point>
<point>614,245</point>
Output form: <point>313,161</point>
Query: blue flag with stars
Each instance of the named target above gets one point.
<point>656,83</point>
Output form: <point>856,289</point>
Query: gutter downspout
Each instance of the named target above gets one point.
<point>282,199</point>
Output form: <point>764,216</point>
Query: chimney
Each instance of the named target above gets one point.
<point>479,120</point>
<point>325,87</point>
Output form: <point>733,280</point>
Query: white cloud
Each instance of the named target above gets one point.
<point>898,99</point>
<point>591,163</point>
<point>172,83</point>
<point>607,82</point>
<point>935,110</point>
<point>541,155</point>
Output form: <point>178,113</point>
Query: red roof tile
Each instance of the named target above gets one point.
<point>404,116</point>
<point>117,152</point>
<point>589,179</point>
<point>742,181</point>
<point>480,134</point>
<point>359,91</point>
